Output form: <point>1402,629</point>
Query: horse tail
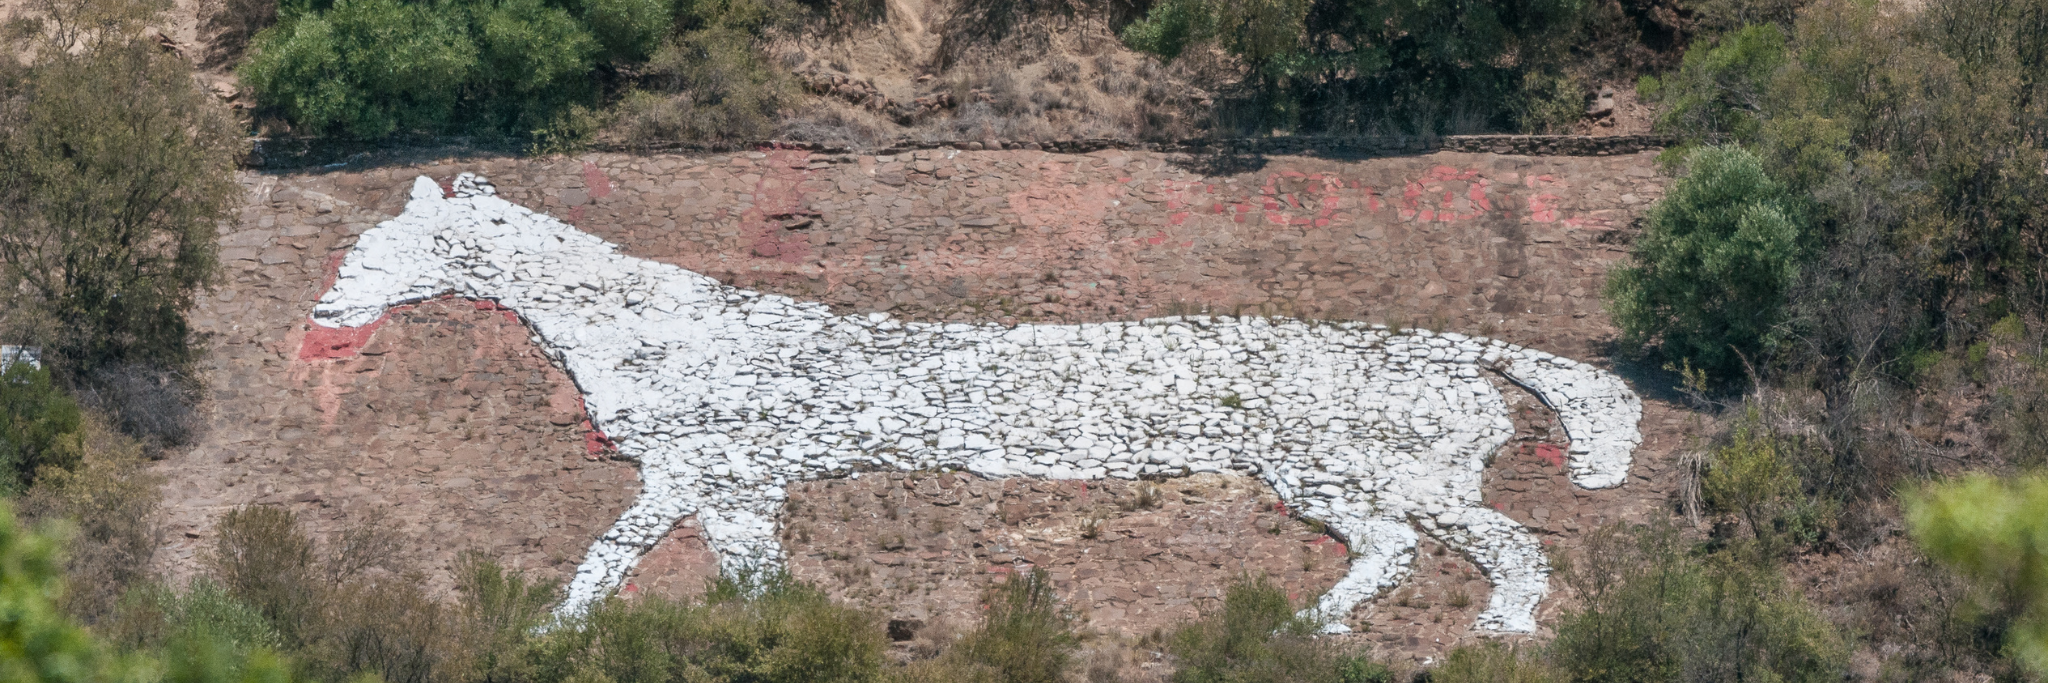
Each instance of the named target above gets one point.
<point>1598,410</point>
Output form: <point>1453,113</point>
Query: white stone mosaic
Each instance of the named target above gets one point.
<point>726,396</point>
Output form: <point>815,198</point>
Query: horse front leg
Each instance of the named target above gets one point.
<point>1385,554</point>
<point>739,524</point>
<point>1510,557</point>
<point>663,502</point>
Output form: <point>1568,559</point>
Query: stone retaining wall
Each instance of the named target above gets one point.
<point>288,153</point>
<point>452,425</point>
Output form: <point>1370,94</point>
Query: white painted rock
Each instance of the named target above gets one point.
<point>725,396</point>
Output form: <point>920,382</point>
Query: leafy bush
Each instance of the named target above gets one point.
<point>108,501</point>
<point>706,85</point>
<point>1652,611</point>
<point>533,64</point>
<point>1346,67</point>
<point>1709,274</point>
<point>372,68</point>
<point>1027,638</point>
<point>159,615</point>
<point>628,30</point>
<point>367,69</point>
<point>119,170</point>
<point>38,642</point>
<point>1757,477</point>
<point>40,427</point>
<point>1990,531</point>
<point>767,629</point>
<point>1494,663</point>
<point>1259,636</point>
<point>498,614</point>
<point>1718,94</point>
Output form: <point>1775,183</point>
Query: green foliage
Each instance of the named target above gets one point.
<point>766,629</point>
<point>1027,638</point>
<point>1913,143</point>
<point>1756,476</point>
<point>1404,64</point>
<point>40,426</point>
<point>628,30</point>
<point>499,613</point>
<point>1718,94</point>
<point>367,68</point>
<point>108,500</point>
<point>688,71</point>
<point>372,68</point>
<point>38,643</point>
<point>709,84</point>
<point>1259,637</point>
<point>1494,663</point>
<point>1654,612</point>
<point>533,63</point>
<point>119,170</point>
<point>1549,103</point>
<point>263,559</point>
<point>204,610</point>
<point>1991,531</point>
<point>1710,273</point>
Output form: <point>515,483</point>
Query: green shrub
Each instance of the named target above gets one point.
<point>108,500</point>
<point>1760,476</point>
<point>628,30</point>
<point>533,64</point>
<point>373,68</point>
<point>40,426</point>
<point>770,629</point>
<point>1549,103</point>
<point>707,85</point>
<point>38,642</point>
<point>158,616</point>
<point>1346,67</point>
<point>1652,611</point>
<point>1709,275</point>
<point>1494,663</point>
<point>1260,636</point>
<point>119,170</point>
<point>1719,93</point>
<point>263,559</point>
<point>498,614</point>
<point>1991,532</point>
<point>366,68</point>
<point>1027,638</point>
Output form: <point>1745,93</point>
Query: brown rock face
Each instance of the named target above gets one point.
<point>451,423</point>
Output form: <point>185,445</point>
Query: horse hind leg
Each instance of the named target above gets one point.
<point>1512,560</point>
<point>1385,548</point>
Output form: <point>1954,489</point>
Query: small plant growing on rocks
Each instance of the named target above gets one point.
<point>1091,528</point>
<point>1147,498</point>
<point>1259,637</point>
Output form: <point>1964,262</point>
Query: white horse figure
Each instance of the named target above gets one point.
<point>726,396</point>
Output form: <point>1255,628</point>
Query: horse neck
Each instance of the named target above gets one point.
<point>581,257</point>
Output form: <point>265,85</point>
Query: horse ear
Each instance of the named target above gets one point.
<point>426,188</point>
